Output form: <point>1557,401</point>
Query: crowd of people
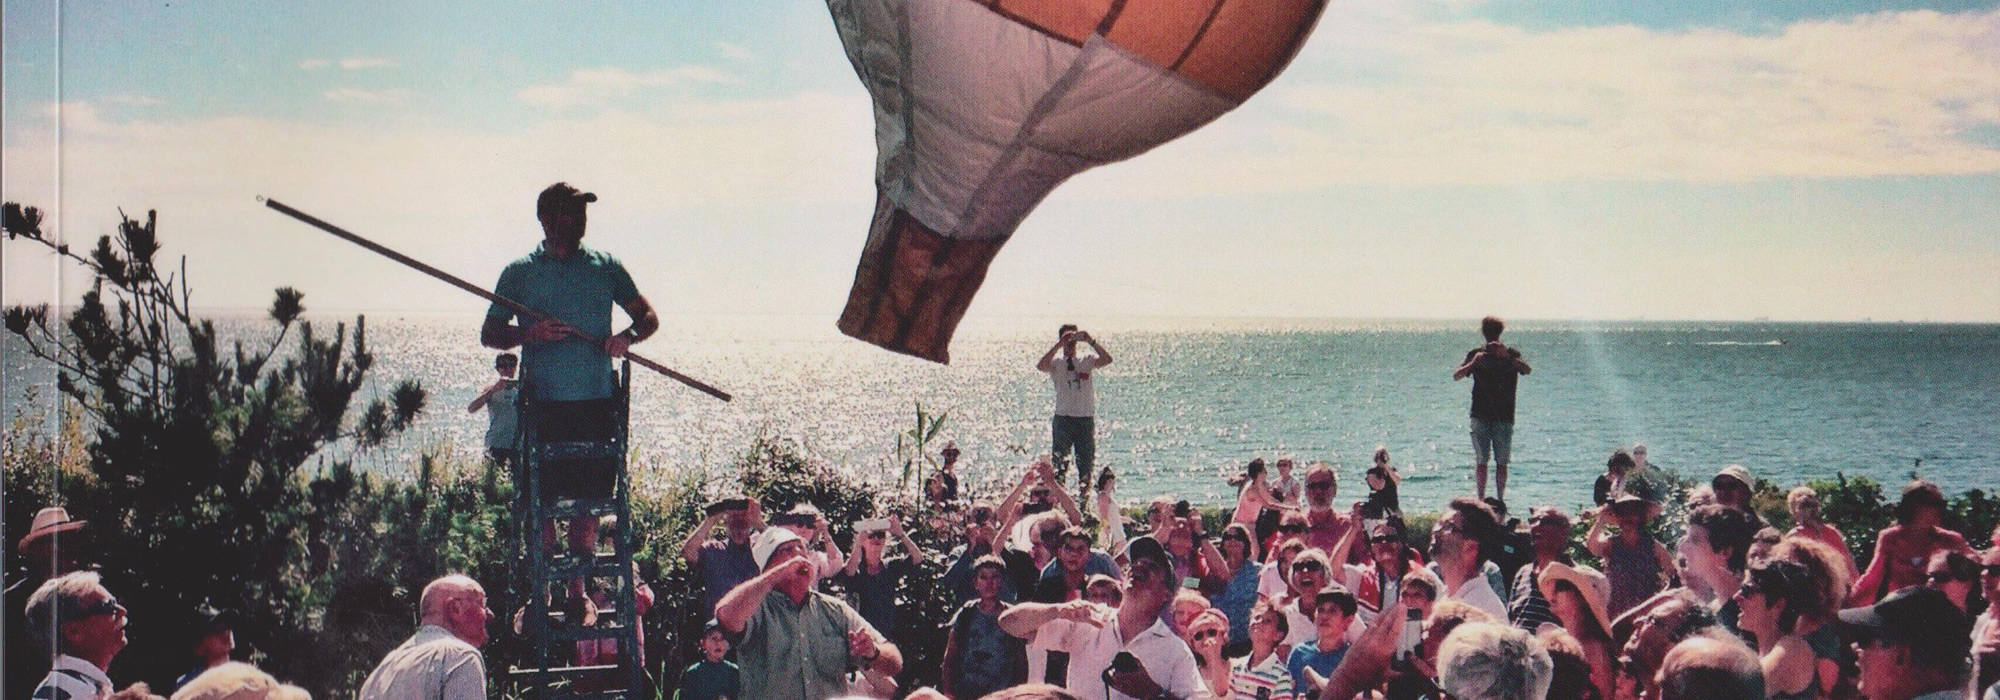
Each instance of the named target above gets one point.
<point>1334,602</point>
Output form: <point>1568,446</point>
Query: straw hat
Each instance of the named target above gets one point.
<point>1734,471</point>
<point>1595,587</point>
<point>48,522</point>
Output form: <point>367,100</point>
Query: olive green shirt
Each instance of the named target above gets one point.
<point>798,652</point>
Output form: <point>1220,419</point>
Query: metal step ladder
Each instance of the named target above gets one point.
<point>549,577</point>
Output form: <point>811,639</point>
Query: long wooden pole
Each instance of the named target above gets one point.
<point>481,292</point>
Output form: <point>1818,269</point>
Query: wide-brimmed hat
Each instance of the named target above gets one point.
<point>1734,471</point>
<point>48,522</point>
<point>1628,502</point>
<point>1595,587</point>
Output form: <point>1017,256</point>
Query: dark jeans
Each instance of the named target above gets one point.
<point>1077,433</point>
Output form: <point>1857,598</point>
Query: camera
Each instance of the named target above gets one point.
<point>727,505</point>
<point>1124,662</point>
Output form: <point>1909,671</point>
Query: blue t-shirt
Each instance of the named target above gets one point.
<point>711,681</point>
<point>722,566</point>
<point>875,594</point>
<point>989,659</point>
<point>1237,598</point>
<point>578,290</point>
<point>1308,655</point>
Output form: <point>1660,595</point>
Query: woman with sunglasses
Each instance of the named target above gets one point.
<point>1833,657</point>
<point>1377,580</point>
<point>1957,575</point>
<point>875,580</point>
<point>1773,597</point>
<point>1238,556</point>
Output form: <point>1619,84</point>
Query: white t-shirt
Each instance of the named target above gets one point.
<point>1166,658</point>
<point>1076,396</point>
<point>1479,594</point>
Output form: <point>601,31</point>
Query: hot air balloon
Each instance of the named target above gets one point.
<point>982,107</point>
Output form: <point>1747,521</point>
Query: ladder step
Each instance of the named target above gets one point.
<point>567,671</point>
<point>561,451</point>
<point>601,566</point>
<point>570,508</point>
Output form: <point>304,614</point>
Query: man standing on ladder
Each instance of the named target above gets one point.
<point>568,378</point>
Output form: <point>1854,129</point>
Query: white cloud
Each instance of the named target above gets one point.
<point>734,52</point>
<point>1379,96</point>
<point>359,62</point>
<point>135,100</point>
<point>314,64</point>
<point>356,95</point>
<point>440,193</point>
<point>601,86</point>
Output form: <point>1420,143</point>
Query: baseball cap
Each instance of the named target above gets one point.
<point>1923,619</point>
<point>562,197</point>
<point>1145,547</point>
<point>769,541</point>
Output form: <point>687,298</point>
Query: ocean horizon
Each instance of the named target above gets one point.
<point>1190,400</point>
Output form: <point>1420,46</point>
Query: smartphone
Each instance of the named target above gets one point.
<point>871,525</point>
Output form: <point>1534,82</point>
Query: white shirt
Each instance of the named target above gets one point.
<point>1166,658</point>
<point>1479,594</point>
<point>1076,396</point>
<point>1269,583</point>
<point>433,664</point>
<point>75,679</point>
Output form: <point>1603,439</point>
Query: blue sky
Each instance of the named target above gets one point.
<point>1440,158</point>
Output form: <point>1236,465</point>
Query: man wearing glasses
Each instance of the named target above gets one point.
<point>77,621</point>
<point>1325,524</point>
<point>1122,654</point>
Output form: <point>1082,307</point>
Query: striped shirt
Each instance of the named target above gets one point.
<point>1267,681</point>
<point>73,679</point>
<point>1528,609</point>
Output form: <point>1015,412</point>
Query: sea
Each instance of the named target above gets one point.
<point>1188,401</point>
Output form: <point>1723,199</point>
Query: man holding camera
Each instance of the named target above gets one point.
<point>1074,427</point>
<point>724,563</point>
<point>1122,654</point>
<point>1495,370</point>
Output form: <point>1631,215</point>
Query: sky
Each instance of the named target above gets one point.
<point>1568,159</point>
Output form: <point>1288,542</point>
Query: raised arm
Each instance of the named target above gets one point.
<point>1048,358</point>
<point>691,550</point>
<point>1103,355</point>
<point>909,545</point>
<point>1063,501</point>
<point>1471,360</point>
<point>1520,365</point>
<point>479,402</point>
<point>733,611</point>
<point>1024,619</point>
<point>1597,540</point>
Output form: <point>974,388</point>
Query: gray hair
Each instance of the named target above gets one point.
<point>1713,665</point>
<point>1486,661</point>
<point>56,599</point>
<point>238,681</point>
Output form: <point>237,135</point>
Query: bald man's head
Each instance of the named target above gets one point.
<point>1711,666</point>
<point>458,604</point>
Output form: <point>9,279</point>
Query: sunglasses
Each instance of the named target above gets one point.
<point>1307,566</point>
<point>103,607</point>
<point>1947,577</point>
<point>1206,635</point>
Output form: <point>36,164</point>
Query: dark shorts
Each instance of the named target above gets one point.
<point>574,421</point>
